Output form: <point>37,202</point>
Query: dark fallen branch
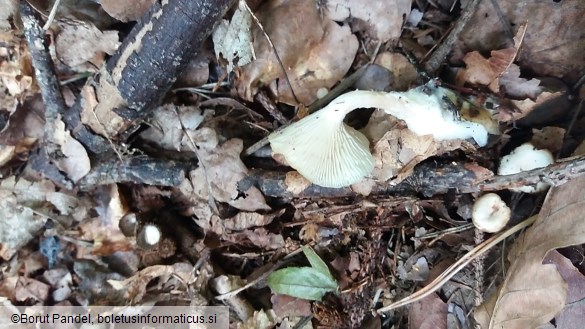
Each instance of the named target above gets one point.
<point>41,159</point>
<point>138,170</point>
<point>44,74</point>
<point>143,69</point>
<point>555,175</point>
<point>429,178</point>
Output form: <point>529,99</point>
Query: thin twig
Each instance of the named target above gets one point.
<point>51,15</point>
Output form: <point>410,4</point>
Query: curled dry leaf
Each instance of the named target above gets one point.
<point>498,71</point>
<point>8,11</point>
<point>572,315</point>
<point>126,10</point>
<point>18,224</point>
<point>429,312</point>
<point>135,287</point>
<point>533,293</point>
<point>381,19</point>
<point>399,150</point>
<point>221,170</point>
<point>305,47</point>
<point>549,48</point>
<point>246,220</point>
<point>167,130</point>
<point>25,125</point>
<point>74,160</point>
<point>80,42</point>
<point>233,40</point>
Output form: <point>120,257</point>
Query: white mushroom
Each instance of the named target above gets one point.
<point>149,236</point>
<point>523,158</point>
<point>331,154</point>
<point>490,214</point>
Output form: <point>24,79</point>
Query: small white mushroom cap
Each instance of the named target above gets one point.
<point>490,214</point>
<point>149,236</point>
<point>523,158</point>
<point>323,149</point>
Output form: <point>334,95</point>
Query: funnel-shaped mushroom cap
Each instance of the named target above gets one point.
<point>325,150</point>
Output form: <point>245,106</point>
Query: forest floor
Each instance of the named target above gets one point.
<point>191,200</point>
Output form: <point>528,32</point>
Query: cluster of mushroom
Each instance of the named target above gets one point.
<point>490,214</point>
<point>329,153</point>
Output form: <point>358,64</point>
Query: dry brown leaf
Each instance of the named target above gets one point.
<point>222,170</point>
<point>31,290</point>
<point>307,48</point>
<point>287,306</point>
<point>498,71</point>
<point>429,312</point>
<point>572,315</point>
<point>126,10</point>
<point>533,293</point>
<point>553,44</point>
<point>18,224</point>
<point>25,125</point>
<point>80,42</point>
<point>259,237</point>
<point>245,220</point>
<point>134,288</point>
<point>404,73</point>
<point>399,150</point>
<point>74,160</point>
<point>8,11</point>
<point>550,138</point>
<point>383,19</point>
<point>167,130</point>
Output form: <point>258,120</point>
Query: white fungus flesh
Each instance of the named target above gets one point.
<point>523,158</point>
<point>331,154</point>
<point>490,214</point>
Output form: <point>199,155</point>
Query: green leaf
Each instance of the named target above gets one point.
<point>302,282</point>
<point>316,261</point>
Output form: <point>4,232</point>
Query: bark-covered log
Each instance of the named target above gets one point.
<point>44,75</point>
<point>143,69</point>
<point>138,170</point>
<point>429,178</point>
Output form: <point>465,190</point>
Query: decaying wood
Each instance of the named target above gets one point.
<point>138,170</point>
<point>142,70</point>
<point>41,159</point>
<point>44,72</point>
<point>429,178</point>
